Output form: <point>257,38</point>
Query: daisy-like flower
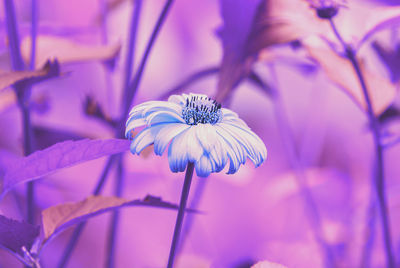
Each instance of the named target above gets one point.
<point>198,130</point>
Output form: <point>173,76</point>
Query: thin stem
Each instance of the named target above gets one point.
<point>134,85</point>
<point>131,46</point>
<point>379,170</point>
<point>112,235</point>
<point>313,214</point>
<point>181,213</point>
<point>23,94</point>
<point>78,230</point>
<point>203,73</point>
<point>34,23</point>
<point>13,36</point>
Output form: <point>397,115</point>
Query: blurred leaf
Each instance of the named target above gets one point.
<point>267,264</point>
<point>237,20</point>
<point>381,18</point>
<point>66,50</point>
<point>341,72</point>
<point>58,156</point>
<point>57,218</point>
<point>49,70</point>
<point>390,58</point>
<point>7,99</point>
<point>46,136</point>
<point>250,26</point>
<point>16,234</point>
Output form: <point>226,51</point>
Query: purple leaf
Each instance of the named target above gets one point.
<point>15,234</point>
<point>60,155</point>
<point>237,18</point>
<point>57,218</point>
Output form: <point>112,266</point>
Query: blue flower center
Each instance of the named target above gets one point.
<point>201,110</point>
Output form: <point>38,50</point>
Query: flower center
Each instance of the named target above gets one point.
<point>201,110</point>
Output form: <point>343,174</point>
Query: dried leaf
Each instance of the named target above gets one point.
<point>57,218</point>
<point>58,156</point>
<point>7,99</point>
<point>341,72</point>
<point>67,51</point>
<point>16,234</point>
<point>49,70</point>
<point>267,264</point>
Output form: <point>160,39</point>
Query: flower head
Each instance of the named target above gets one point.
<point>198,130</point>
<point>326,9</point>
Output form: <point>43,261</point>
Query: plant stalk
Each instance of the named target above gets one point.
<point>78,230</point>
<point>181,213</point>
<point>379,178</point>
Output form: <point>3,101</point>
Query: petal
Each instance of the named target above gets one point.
<point>203,166</point>
<point>163,117</point>
<point>166,134</point>
<point>212,144</point>
<point>178,99</point>
<point>132,124</point>
<point>145,138</point>
<point>184,147</point>
<point>249,140</point>
<point>234,150</point>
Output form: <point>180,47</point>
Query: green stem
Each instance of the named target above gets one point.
<point>181,213</point>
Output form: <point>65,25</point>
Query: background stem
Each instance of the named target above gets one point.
<point>379,178</point>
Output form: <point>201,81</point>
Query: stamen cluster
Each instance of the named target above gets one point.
<point>201,110</point>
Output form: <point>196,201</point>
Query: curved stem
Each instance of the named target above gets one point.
<point>181,213</point>
<point>313,215</point>
<point>379,167</point>
<point>112,234</point>
<point>34,26</point>
<point>203,73</point>
<point>78,230</point>
<point>134,85</point>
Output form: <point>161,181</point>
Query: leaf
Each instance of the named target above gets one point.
<point>49,70</point>
<point>7,99</point>
<point>341,72</point>
<point>67,51</point>
<point>390,58</point>
<point>45,136</point>
<point>237,20</point>
<point>16,234</point>
<point>267,264</point>
<point>60,155</point>
<point>380,19</point>
<point>57,218</point>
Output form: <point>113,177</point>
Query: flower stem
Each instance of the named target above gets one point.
<point>112,235</point>
<point>181,213</point>
<point>134,85</point>
<point>34,26</point>
<point>78,230</point>
<point>313,215</point>
<point>379,166</point>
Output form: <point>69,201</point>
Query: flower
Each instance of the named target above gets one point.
<point>198,130</point>
<point>326,9</point>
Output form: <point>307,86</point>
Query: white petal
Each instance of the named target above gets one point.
<point>203,166</point>
<point>145,138</point>
<point>132,124</point>
<point>184,148</point>
<point>252,143</point>
<point>163,117</point>
<point>212,144</point>
<point>166,134</point>
<point>178,99</point>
